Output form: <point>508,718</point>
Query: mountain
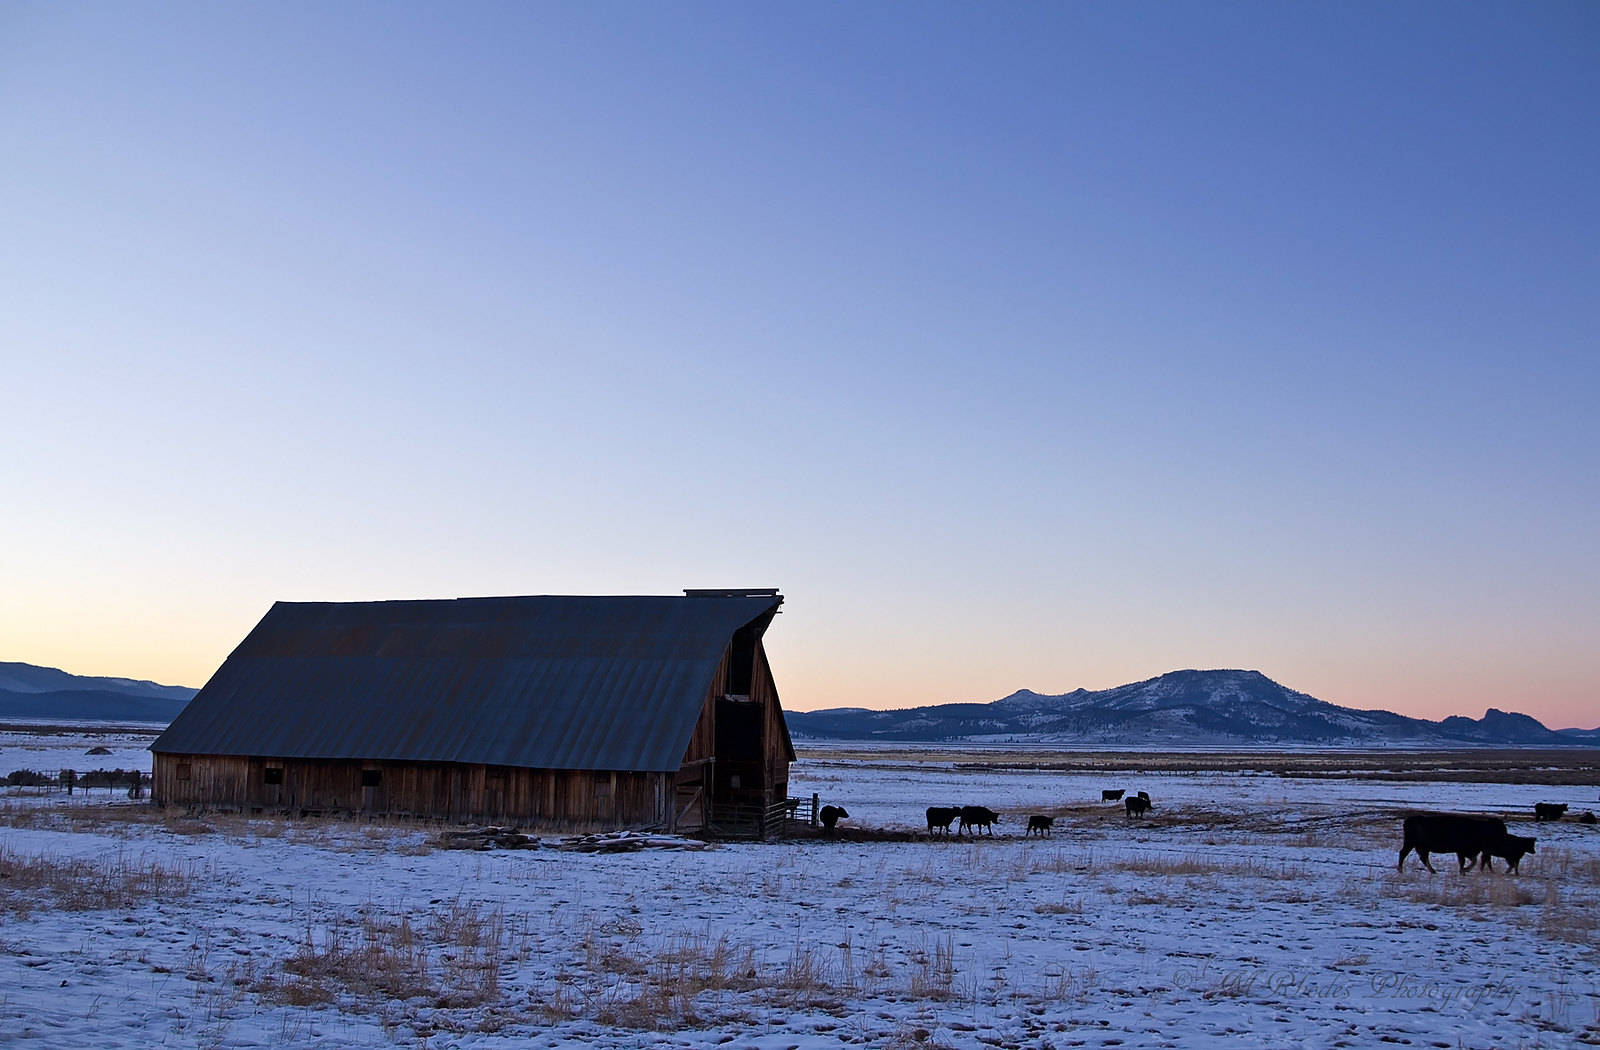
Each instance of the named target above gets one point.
<point>1206,708</point>
<point>35,693</point>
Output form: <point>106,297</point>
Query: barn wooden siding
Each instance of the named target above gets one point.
<point>450,791</point>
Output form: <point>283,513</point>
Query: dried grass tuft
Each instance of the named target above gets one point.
<point>31,882</point>
<point>1200,864</point>
<point>453,962</point>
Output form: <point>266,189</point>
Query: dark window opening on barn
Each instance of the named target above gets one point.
<point>738,747</point>
<point>272,775</point>
<point>184,770</point>
<point>741,662</point>
<point>370,778</point>
<point>602,785</point>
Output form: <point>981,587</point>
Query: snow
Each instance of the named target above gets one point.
<point>55,751</point>
<point>1246,910</point>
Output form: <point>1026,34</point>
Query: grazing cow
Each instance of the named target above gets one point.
<point>1466,837</point>
<point>830,816</point>
<point>1549,810</point>
<point>1040,824</point>
<point>1510,849</point>
<point>941,816</point>
<point>1136,805</point>
<point>1587,818</point>
<point>1108,795</point>
<point>980,817</point>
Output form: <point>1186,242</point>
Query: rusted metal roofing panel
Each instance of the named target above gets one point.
<point>543,682</point>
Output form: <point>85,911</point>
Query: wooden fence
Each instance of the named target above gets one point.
<point>135,783</point>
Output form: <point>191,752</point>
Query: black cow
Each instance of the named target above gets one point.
<point>830,816</point>
<point>941,816</point>
<point>1587,818</point>
<point>1466,837</point>
<point>1136,805</point>
<point>977,817</point>
<point>1549,810</point>
<point>1040,824</point>
<point>1107,795</point>
<point>1510,849</point>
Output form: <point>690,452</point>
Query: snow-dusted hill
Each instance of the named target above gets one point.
<point>34,693</point>
<point>1182,707</point>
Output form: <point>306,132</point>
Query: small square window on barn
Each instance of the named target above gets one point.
<point>184,771</point>
<point>602,785</point>
<point>272,775</point>
<point>371,778</point>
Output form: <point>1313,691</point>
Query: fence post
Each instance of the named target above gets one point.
<point>813,809</point>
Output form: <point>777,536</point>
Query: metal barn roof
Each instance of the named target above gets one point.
<point>544,682</point>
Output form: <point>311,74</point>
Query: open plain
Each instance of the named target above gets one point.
<point>1256,904</point>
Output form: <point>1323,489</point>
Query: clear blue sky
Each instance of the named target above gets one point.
<point>1023,345</point>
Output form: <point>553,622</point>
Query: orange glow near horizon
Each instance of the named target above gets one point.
<point>852,669</point>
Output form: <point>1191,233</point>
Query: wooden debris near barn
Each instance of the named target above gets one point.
<point>627,842</point>
<point>487,839</point>
<point>493,838</point>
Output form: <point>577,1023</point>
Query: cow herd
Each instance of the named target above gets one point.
<point>982,819</point>
<point>978,818</point>
<point>1476,841</point>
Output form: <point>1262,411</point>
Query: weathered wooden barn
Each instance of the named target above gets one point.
<point>609,711</point>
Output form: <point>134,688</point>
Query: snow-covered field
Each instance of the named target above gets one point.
<point>67,748</point>
<point>1245,910</point>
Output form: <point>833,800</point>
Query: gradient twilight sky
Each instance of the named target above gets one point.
<point>1021,344</point>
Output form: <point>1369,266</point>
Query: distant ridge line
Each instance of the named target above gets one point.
<point>1193,708</point>
<point>35,693</point>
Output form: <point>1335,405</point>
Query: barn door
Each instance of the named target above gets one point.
<point>372,791</point>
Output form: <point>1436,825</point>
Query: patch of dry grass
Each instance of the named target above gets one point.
<point>382,960</point>
<point>30,882</point>
<point>1555,904</point>
<point>1167,866</point>
<point>1451,889</point>
<point>16,815</point>
<point>677,982</point>
<point>687,979</point>
<point>453,961</point>
<point>1074,984</point>
<point>1520,765</point>
<point>1064,906</point>
<point>933,970</point>
<point>1060,861</point>
<point>1572,869</point>
<point>124,819</point>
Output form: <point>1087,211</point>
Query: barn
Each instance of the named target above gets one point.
<point>617,712</point>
